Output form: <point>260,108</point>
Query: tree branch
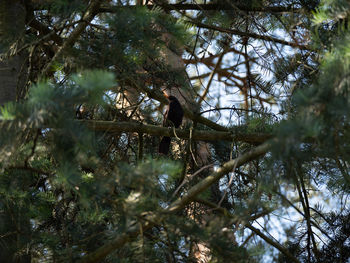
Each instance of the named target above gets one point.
<point>99,254</point>
<point>90,13</point>
<point>188,113</point>
<point>43,29</point>
<point>215,176</point>
<point>165,5</point>
<point>249,34</point>
<point>268,240</point>
<point>214,7</point>
<point>153,219</point>
<point>199,135</point>
<point>273,243</point>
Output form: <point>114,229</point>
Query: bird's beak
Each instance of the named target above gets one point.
<point>165,95</point>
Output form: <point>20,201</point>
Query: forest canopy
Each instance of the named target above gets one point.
<point>174,131</point>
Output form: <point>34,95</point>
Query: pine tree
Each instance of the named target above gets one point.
<point>263,148</point>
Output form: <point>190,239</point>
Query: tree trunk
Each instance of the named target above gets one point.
<point>15,232</point>
<point>12,69</point>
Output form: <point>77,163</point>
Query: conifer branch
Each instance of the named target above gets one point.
<point>151,219</point>
<point>256,231</point>
<point>99,254</point>
<point>217,175</point>
<point>43,29</point>
<point>215,7</point>
<point>199,135</point>
<point>184,7</point>
<point>273,243</point>
<point>188,113</point>
<point>90,13</point>
<point>250,35</point>
<point>233,31</point>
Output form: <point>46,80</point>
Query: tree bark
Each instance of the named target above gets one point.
<point>12,25</point>
<point>15,232</point>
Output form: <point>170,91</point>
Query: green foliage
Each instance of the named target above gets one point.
<point>66,190</point>
<point>65,7</point>
<point>331,10</point>
<point>263,123</point>
<point>71,189</point>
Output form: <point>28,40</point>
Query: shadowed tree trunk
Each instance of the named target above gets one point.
<point>12,69</point>
<point>15,231</point>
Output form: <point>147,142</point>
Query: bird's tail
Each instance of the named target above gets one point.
<point>164,145</point>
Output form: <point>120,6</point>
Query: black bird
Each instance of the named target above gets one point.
<point>173,118</point>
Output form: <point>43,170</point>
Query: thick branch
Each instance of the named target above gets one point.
<point>199,135</point>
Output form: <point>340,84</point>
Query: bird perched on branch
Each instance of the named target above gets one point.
<point>173,118</point>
